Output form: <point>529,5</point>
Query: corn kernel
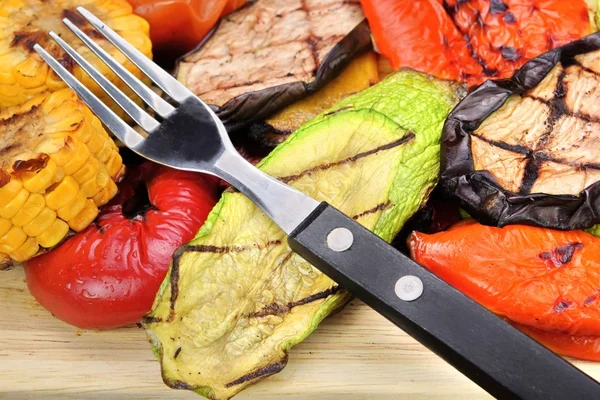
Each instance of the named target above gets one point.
<point>114,164</point>
<point>82,154</point>
<point>105,151</point>
<point>62,194</point>
<point>96,184</point>
<point>88,171</point>
<point>13,239</point>
<point>5,226</point>
<point>40,223</point>
<point>31,209</point>
<point>65,153</point>
<point>96,142</point>
<point>106,194</point>
<point>53,235</point>
<point>71,210</point>
<point>85,217</point>
<point>9,191</point>
<point>37,182</point>
<point>26,251</point>
<point>12,208</point>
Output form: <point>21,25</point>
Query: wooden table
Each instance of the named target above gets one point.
<point>355,354</point>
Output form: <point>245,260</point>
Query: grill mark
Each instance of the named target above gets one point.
<point>592,298</point>
<point>405,139</point>
<point>261,372</point>
<point>569,113</point>
<point>275,309</point>
<point>174,278</point>
<point>530,175</point>
<point>562,255</point>
<point>515,148</point>
<point>200,248</point>
<point>558,108</point>
<point>174,281</point>
<point>451,11</point>
<point>378,207</point>
<point>542,156</point>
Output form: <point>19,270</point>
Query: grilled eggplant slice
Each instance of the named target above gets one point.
<point>237,298</point>
<point>359,75</point>
<point>525,150</point>
<point>272,53</point>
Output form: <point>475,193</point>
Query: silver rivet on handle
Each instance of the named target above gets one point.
<point>409,288</point>
<point>340,239</point>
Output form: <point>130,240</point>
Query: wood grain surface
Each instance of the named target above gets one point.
<point>355,354</point>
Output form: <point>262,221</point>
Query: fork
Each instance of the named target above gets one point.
<point>485,348</point>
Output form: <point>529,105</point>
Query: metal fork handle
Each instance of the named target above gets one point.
<point>283,204</point>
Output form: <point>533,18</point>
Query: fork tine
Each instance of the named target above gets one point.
<point>133,110</point>
<point>116,125</point>
<point>161,78</point>
<point>158,104</point>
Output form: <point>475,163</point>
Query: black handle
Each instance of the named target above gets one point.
<point>492,353</point>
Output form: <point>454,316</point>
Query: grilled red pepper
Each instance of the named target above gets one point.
<point>107,276</point>
<point>472,40</point>
<point>546,282</point>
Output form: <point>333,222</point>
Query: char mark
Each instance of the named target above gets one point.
<point>177,352</point>
<point>28,39</point>
<point>174,278</point>
<point>405,139</point>
<point>259,373</point>
<point>201,248</point>
<point>562,255</point>
<point>498,7</point>
<point>515,148</point>
<point>562,305</point>
<point>147,319</point>
<point>174,281</point>
<point>378,207</point>
<point>451,11</point>
<point>530,175</point>
<point>275,309</point>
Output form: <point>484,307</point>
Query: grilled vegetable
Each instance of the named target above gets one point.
<point>23,23</point>
<point>582,347</point>
<point>177,26</point>
<point>544,281</point>
<point>359,75</point>
<point>272,53</point>
<point>543,278</point>
<point>524,150</point>
<point>116,265</point>
<point>57,166</point>
<point>237,298</point>
<point>472,40</point>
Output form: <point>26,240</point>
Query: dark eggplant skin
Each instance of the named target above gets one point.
<point>477,191</point>
<point>243,110</point>
<point>248,108</point>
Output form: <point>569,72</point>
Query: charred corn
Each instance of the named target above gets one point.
<point>23,23</point>
<point>57,166</point>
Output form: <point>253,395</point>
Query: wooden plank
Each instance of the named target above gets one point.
<point>354,355</point>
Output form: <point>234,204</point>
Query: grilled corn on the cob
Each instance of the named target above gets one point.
<point>57,166</point>
<point>23,23</point>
